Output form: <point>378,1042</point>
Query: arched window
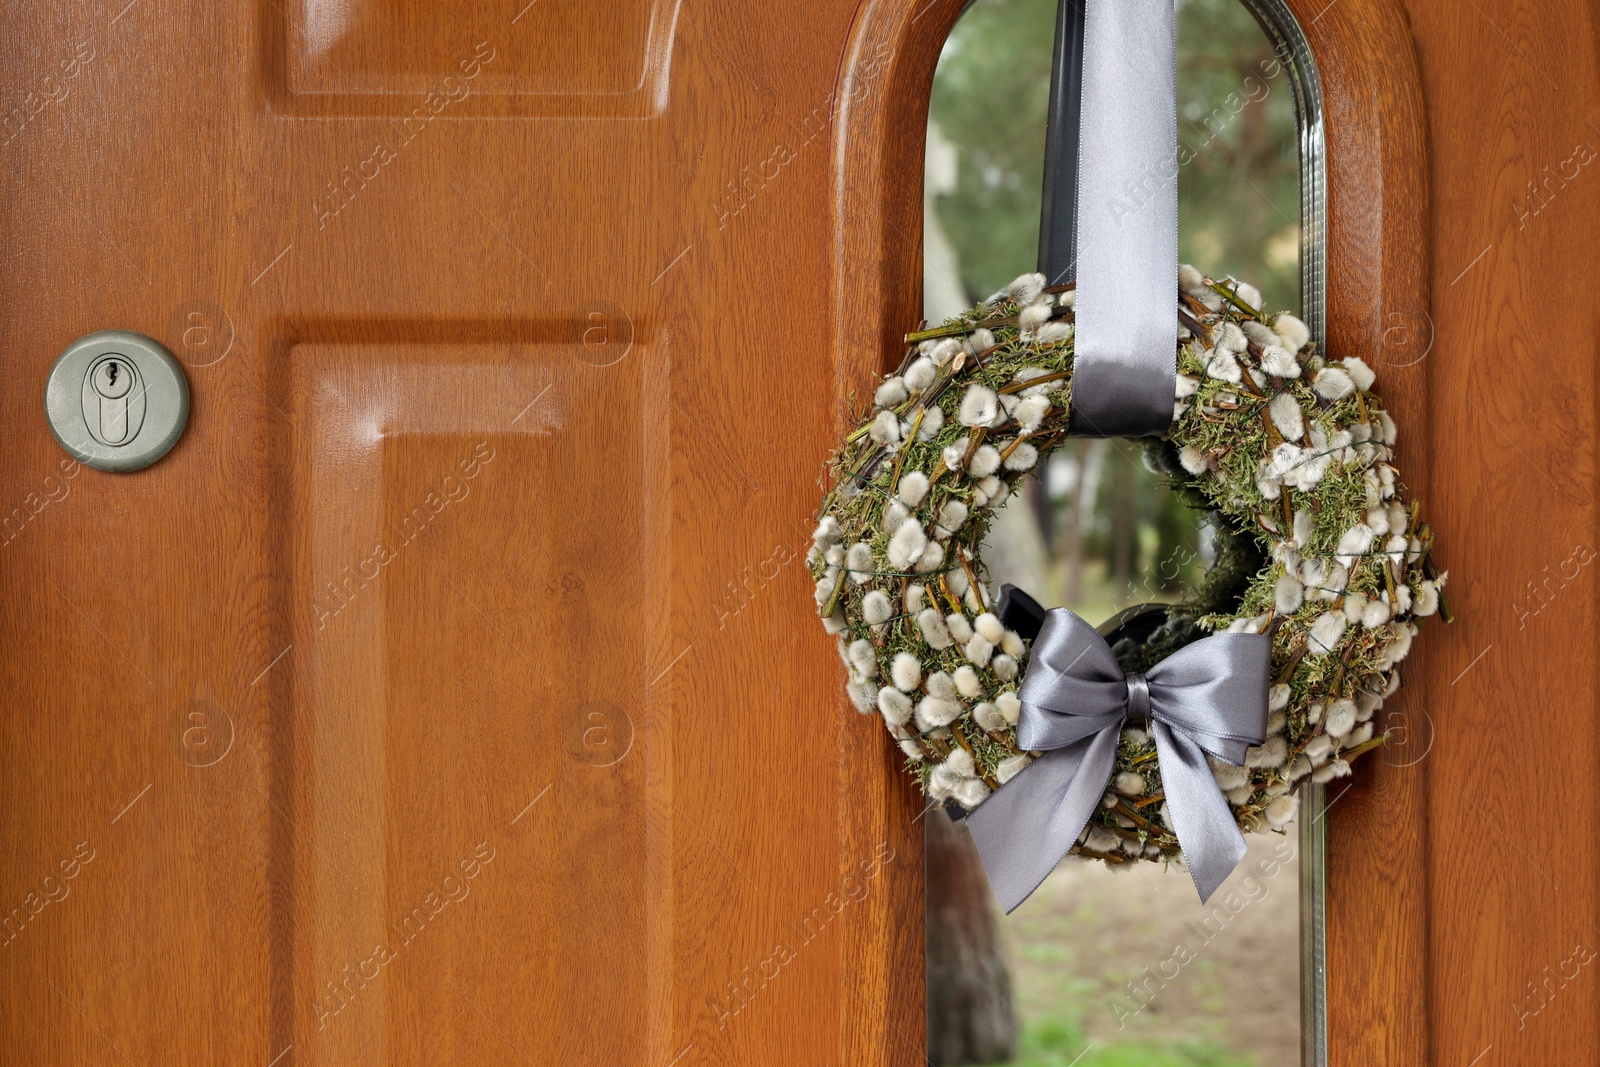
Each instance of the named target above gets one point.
<point>1130,964</point>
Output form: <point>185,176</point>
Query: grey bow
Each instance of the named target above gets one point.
<point>1127,273</point>
<point>1210,696</point>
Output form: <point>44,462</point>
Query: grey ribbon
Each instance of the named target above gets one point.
<point>1126,328</point>
<point>1210,696</point>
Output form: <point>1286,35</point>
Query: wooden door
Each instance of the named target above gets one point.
<point>450,693</point>
<point>1462,141</point>
<point>1512,91</point>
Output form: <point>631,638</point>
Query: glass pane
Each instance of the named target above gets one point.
<point>1106,966</point>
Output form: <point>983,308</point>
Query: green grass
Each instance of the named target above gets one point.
<point>1060,1043</point>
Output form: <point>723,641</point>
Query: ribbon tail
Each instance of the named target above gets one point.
<point>1029,825</point>
<point>1212,843</point>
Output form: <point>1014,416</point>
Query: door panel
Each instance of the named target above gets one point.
<point>377,57</point>
<point>429,493</point>
<point>441,697</point>
<point>1512,99</point>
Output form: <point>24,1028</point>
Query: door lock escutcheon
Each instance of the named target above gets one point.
<point>117,401</point>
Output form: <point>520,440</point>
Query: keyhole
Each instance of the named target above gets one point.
<point>112,380</point>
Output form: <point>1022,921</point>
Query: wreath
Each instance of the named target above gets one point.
<point>1287,451</point>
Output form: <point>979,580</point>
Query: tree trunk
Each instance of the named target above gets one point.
<point>1072,533</point>
<point>971,1017</point>
<point>1124,528</point>
<point>1044,512</point>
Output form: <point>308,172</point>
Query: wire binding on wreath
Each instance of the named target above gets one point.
<point>1290,453</point>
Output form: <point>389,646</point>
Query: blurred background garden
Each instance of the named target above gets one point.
<point>1083,960</point>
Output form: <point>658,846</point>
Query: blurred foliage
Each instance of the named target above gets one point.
<point>991,97</point>
<point>1238,183</point>
<point>1238,207</point>
<point>1239,180</point>
<point>1146,538</point>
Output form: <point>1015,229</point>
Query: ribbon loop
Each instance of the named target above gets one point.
<point>1208,697</point>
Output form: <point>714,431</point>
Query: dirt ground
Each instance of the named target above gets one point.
<point>1132,954</point>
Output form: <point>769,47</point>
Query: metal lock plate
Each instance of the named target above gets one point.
<point>117,401</point>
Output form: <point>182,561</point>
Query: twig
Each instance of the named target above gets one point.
<point>1017,387</point>
<point>1204,333</point>
<point>957,329</point>
<point>1143,823</point>
<point>1363,748</point>
<point>949,598</point>
<point>1107,856</point>
<point>900,460</point>
<point>1228,295</point>
<point>1256,392</point>
<point>1289,665</point>
<point>833,598</point>
<point>961,739</point>
<point>1005,453</point>
<point>961,329</point>
<point>973,442</point>
<point>972,580</point>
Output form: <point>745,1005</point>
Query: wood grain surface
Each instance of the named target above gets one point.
<point>564,773</point>
<point>1511,813</point>
<point>1378,308</point>
<point>1461,239</point>
<point>452,692</point>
